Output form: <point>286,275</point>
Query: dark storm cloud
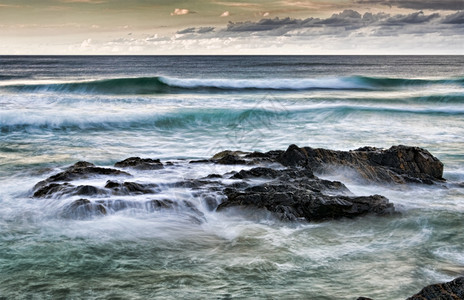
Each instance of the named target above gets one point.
<point>341,25</point>
<point>414,18</point>
<point>348,20</point>
<point>419,4</point>
<point>199,30</point>
<point>457,18</point>
<point>186,30</point>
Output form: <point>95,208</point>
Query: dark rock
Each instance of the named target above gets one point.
<point>230,160</point>
<point>296,194</point>
<point>399,164</point>
<point>213,176</point>
<point>140,163</point>
<point>154,205</point>
<point>131,188</point>
<point>61,189</point>
<point>50,189</point>
<point>453,290</point>
<point>82,209</point>
<point>292,203</point>
<point>256,172</point>
<point>80,170</point>
<point>87,190</point>
<point>281,183</point>
<point>199,161</point>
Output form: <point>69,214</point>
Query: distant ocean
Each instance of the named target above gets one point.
<point>55,111</point>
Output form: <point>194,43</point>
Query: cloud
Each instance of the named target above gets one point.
<point>414,18</point>
<point>457,18</point>
<point>200,30</point>
<point>348,20</point>
<point>225,14</point>
<point>419,4</point>
<point>180,12</point>
<point>186,30</point>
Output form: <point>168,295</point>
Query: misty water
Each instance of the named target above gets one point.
<point>56,111</point>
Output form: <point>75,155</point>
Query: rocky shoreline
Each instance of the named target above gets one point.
<point>280,182</point>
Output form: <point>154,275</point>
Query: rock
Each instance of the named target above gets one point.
<point>453,290</point>
<point>59,190</point>
<point>230,160</point>
<point>281,182</point>
<point>140,163</point>
<point>130,188</point>
<point>82,209</point>
<point>296,194</point>
<point>290,203</point>
<point>80,170</point>
<point>399,164</point>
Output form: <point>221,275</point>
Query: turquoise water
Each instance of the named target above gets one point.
<point>56,111</point>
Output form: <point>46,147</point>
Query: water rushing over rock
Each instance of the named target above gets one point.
<point>280,182</point>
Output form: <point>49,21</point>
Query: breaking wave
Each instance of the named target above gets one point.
<point>164,85</point>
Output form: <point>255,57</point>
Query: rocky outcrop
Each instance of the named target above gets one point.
<point>140,163</point>
<point>453,290</point>
<point>294,194</point>
<point>281,182</point>
<point>80,170</point>
<point>398,164</point>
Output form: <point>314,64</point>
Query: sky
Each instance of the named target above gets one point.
<point>180,27</point>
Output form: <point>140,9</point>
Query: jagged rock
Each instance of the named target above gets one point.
<point>80,170</point>
<point>292,204</point>
<point>60,189</point>
<point>230,160</point>
<point>130,188</point>
<point>453,290</point>
<point>83,208</point>
<point>399,164</point>
<point>296,194</point>
<point>140,163</point>
<point>282,182</point>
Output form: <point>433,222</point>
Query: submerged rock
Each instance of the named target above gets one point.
<point>82,209</point>
<point>453,290</point>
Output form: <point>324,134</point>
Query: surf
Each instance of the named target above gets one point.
<point>167,85</point>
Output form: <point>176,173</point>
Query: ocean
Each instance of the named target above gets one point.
<point>58,110</point>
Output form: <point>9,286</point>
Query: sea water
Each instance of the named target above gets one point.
<point>55,111</point>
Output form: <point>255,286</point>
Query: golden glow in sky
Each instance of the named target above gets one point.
<point>231,27</point>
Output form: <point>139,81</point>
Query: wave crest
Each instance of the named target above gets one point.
<point>163,85</point>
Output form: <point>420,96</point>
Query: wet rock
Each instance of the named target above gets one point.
<point>453,290</point>
<point>49,190</point>
<point>199,161</point>
<point>80,170</point>
<point>256,172</point>
<point>140,163</point>
<point>130,188</point>
<point>230,160</point>
<point>58,190</point>
<point>213,176</point>
<point>155,205</point>
<point>82,209</point>
<point>399,164</point>
<point>291,203</point>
